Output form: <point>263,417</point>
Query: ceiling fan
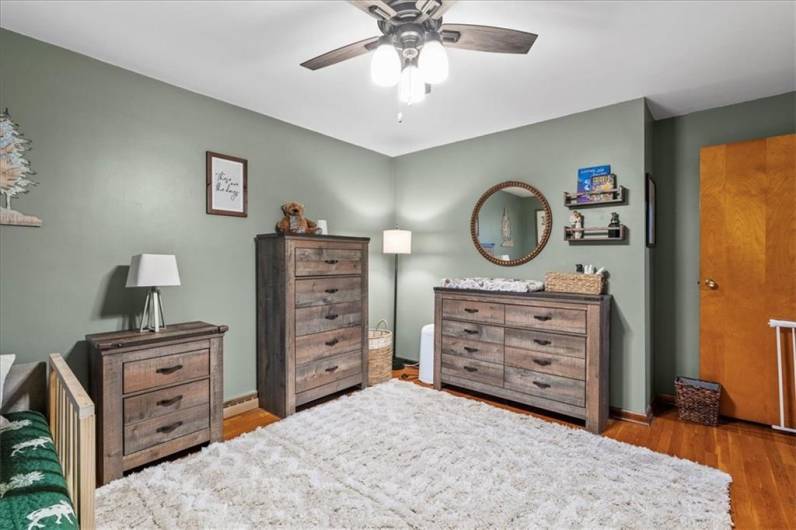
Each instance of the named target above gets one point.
<point>411,53</point>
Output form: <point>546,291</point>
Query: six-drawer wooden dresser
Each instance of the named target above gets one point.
<point>546,350</point>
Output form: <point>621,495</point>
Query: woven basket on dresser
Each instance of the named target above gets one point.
<point>697,400</point>
<point>574,282</point>
<point>379,354</point>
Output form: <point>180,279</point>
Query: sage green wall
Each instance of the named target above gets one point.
<point>121,165</point>
<point>437,188</point>
<point>676,169</point>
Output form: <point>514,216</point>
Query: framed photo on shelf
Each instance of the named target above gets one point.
<point>651,211</point>
<point>227,184</point>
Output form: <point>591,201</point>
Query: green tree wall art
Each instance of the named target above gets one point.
<point>15,172</point>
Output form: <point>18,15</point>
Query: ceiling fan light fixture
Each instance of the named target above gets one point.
<point>412,88</point>
<point>385,66</point>
<point>433,62</point>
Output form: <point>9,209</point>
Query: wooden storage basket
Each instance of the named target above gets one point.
<point>574,282</point>
<point>697,400</point>
<point>379,354</point>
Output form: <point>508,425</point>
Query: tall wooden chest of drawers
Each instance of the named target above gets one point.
<point>547,350</point>
<point>312,318</point>
<point>156,393</point>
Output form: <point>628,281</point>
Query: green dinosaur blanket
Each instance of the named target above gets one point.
<point>33,492</point>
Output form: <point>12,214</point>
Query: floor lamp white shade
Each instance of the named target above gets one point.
<point>397,242</point>
<point>153,271</point>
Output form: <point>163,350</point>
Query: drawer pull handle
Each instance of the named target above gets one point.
<point>331,261</point>
<point>331,317</point>
<point>168,428</point>
<point>471,369</point>
<point>541,385</point>
<point>471,331</point>
<point>331,369</point>
<point>471,310</point>
<point>541,342</point>
<point>470,350</point>
<point>543,362</point>
<point>543,318</point>
<point>332,342</point>
<point>332,291</point>
<point>169,370</point>
<point>169,402</point>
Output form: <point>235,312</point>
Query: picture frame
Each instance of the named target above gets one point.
<point>227,185</point>
<point>541,223</point>
<point>650,210</point>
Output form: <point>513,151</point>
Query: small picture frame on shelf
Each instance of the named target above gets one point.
<point>227,184</point>
<point>651,214</point>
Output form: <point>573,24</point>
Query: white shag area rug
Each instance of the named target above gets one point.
<point>401,456</point>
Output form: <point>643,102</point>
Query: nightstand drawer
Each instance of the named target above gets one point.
<point>161,371</point>
<point>326,261</point>
<point>162,402</point>
<point>156,431</point>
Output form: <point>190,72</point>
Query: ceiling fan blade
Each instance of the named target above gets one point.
<point>378,9</point>
<point>486,38</point>
<point>433,8</point>
<point>342,54</point>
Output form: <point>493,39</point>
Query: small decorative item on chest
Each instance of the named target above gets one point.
<point>614,226</point>
<point>294,221</point>
<point>576,221</point>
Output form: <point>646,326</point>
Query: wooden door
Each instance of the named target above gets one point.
<point>747,272</point>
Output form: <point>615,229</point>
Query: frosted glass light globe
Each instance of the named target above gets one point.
<point>433,62</point>
<point>413,87</point>
<point>385,67</point>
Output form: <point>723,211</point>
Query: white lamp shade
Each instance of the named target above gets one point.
<point>397,242</point>
<point>153,270</point>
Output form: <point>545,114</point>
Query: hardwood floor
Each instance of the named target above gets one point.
<point>762,462</point>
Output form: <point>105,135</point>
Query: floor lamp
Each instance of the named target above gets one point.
<point>396,242</point>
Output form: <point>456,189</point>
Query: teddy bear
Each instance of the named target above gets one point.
<point>294,221</point>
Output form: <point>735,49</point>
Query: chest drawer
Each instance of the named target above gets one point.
<point>482,372</point>
<point>466,330</point>
<point>326,261</point>
<point>480,351</point>
<point>475,311</point>
<point>319,345</point>
<point>546,318</point>
<point>552,343</point>
<point>156,431</point>
<point>327,370</point>
<point>313,292</point>
<point>168,370</point>
<point>326,317</point>
<point>546,363</point>
<point>166,401</point>
<point>547,386</point>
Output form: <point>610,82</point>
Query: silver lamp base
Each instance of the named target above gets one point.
<point>153,312</point>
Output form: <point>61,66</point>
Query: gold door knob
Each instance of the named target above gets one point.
<point>710,283</point>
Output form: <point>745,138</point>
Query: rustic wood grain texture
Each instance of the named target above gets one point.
<point>325,291</point>
<point>166,401</point>
<point>472,349</point>
<point>551,343</point>
<point>462,367</point>
<point>467,330</point>
<point>546,318</point>
<point>161,371</point>
<point>322,318</point>
<point>488,313</point>
<point>546,363</point>
<point>327,261</point>
<point>548,386</point>
<point>155,431</point>
<point>319,345</point>
<point>326,370</point>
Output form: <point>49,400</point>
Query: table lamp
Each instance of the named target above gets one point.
<point>153,271</point>
<point>396,242</point>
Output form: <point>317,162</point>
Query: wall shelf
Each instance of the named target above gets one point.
<point>600,233</point>
<point>616,195</point>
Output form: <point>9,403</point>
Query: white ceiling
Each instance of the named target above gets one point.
<point>683,56</point>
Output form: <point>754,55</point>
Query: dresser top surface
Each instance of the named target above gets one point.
<point>313,237</point>
<point>538,295</point>
<point>114,340</point>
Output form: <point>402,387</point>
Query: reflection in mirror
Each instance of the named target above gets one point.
<point>511,224</point>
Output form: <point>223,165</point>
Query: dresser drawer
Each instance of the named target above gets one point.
<point>547,318</point>
<point>479,332</point>
<point>487,373</point>
<point>161,371</point>
<point>162,402</point>
<point>146,434</point>
<point>319,345</point>
<point>548,386</point>
<point>327,370</point>
<point>314,292</point>
<point>552,343</point>
<point>546,363</point>
<point>323,318</point>
<point>472,349</point>
<point>475,311</point>
<point>325,261</point>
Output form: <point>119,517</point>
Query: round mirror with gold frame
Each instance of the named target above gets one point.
<point>511,223</point>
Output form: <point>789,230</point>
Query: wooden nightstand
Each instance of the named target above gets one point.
<point>156,393</point>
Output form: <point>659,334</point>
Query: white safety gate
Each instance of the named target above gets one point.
<point>779,325</point>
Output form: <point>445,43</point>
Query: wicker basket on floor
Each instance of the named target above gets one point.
<point>697,400</point>
<point>379,354</point>
<point>574,282</point>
